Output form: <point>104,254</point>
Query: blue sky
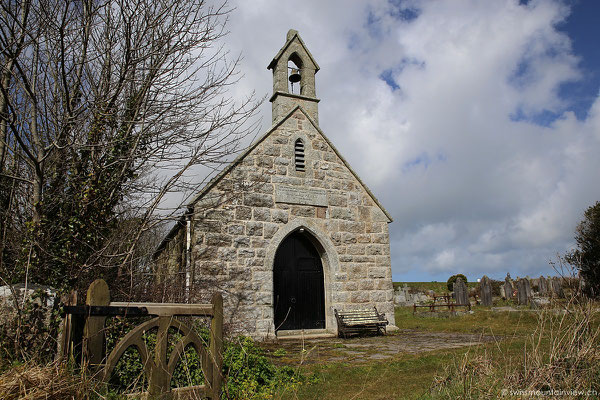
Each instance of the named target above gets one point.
<point>475,123</point>
<point>583,28</point>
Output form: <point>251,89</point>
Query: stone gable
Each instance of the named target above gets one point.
<point>291,186</point>
<point>231,240</point>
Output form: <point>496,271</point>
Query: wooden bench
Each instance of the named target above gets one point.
<point>359,321</point>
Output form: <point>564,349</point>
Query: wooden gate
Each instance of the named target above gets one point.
<point>157,368</point>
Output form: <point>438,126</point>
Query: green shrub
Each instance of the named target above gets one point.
<point>128,375</point>
<point>453,278</point>
<point>247,369</point>
<point>188,371</point>
<point>496,287</point>
<point>251,375</point>
<point>29,333</point>
<point>279,353</point>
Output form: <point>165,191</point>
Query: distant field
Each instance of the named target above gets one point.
<point>438,287</point>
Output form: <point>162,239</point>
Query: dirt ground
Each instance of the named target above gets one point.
<point>362,349</point>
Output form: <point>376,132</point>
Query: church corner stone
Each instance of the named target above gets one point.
<point>234,242</point>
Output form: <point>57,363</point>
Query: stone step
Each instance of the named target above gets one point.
<point>296,334</point>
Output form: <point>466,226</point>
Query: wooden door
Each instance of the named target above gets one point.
<point>298,285</point>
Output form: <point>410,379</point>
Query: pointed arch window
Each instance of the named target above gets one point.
<point>299,161</point>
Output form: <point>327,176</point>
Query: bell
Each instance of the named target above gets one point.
<point>295,76</point>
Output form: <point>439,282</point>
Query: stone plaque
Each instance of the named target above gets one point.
<point>300,195</point>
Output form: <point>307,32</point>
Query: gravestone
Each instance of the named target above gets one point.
<point>528,287</point>
<point>508,288</point>
<point>461,295</point>
<point>402,296</point>
<point>522,291</point>
<point>542,286</point>
<point>557,290</point>
<point>485,291</point>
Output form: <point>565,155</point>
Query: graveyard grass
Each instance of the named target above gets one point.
<point>437,287</point>
<point>413,376</point>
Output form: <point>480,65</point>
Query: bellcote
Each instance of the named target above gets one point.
<point>294,56</point>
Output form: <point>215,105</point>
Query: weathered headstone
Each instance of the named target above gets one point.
<point>557,290</point>
<point>402,296</point>
<point>461,295</point>
<point>522,291</point>
<point>542,286</point>
<point>528,286</point>
<point>485,291</point>
<point>508,288</point>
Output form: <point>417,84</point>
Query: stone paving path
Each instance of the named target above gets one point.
<point>363,349</point>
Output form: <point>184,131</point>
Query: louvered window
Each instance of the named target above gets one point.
<point>299,155</point>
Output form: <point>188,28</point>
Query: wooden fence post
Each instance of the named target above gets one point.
<point>93,332</point>
<point>66,328</point>
<point>216,345</point>
<point>160,379</point>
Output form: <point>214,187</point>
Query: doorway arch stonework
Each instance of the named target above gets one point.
<point>329,260</point>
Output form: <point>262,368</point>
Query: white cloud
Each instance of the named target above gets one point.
<point>477,186</point>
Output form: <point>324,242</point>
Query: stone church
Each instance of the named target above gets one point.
<point>288,232</point>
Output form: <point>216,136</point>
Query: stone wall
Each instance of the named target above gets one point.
<point>171,256</point>
<point>239,223</point>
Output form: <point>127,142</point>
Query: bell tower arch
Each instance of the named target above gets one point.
<point>283,99</point>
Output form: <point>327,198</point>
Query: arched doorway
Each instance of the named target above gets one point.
<point>298,285</point>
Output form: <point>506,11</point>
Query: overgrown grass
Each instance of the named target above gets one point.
<point>34,381</point>
<point>530,348</point>
<point>533,351</point>
<point>562,355</point>
<point>248,373</point>
<point>483,320</point>
<point>404,377</point>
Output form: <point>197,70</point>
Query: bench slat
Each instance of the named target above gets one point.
<point>356,321</point>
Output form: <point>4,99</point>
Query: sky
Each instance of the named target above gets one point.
<point>475,123</point>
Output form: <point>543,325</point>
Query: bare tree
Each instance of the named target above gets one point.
<point>105,108</point>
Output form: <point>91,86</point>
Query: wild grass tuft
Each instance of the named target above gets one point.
<point>33,381</point>
<point>562,355</point>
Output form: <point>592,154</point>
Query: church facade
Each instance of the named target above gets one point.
<point>287,232</point>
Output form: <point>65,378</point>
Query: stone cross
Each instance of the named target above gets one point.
<point>522,297</point>
<point>485,291</point>
<point>460,292</point>
<point>542,286</point>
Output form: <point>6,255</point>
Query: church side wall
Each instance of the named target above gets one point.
<point>169,273</point>
<point>236,220</point>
